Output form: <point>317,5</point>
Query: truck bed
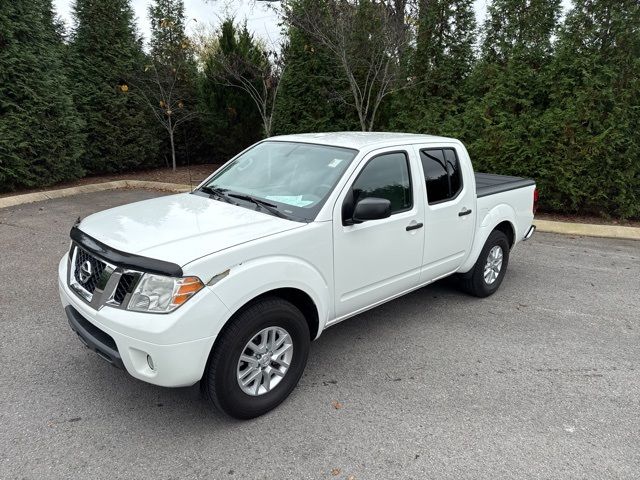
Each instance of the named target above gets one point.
<point>490,183</point>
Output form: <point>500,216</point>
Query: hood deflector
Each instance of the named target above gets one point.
<point>123,259</point>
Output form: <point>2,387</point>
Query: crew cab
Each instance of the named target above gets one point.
<point>227,285</point>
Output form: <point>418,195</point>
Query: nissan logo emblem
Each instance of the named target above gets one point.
<point>86,270</point>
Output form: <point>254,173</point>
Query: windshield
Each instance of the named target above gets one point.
<point>293,178</point>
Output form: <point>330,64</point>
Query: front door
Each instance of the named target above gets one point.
<point>377,259</point>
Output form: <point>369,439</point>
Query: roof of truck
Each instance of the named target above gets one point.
<point>359,140</point>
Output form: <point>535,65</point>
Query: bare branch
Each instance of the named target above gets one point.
<point>367,40</point>
<point>257,73</point>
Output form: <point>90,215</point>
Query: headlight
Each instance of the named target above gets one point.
<point>159,294</point>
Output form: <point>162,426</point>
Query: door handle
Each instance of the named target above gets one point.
<point>466,211</point>
<point>414,226</point>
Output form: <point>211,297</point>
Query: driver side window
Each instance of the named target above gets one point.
<point>385,176</point>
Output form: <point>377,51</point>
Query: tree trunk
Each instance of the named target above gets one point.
<point>363,120</point>
<point>266,123</point>
<point>173,147</point>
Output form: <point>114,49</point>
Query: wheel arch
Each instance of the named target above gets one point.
<point>502,217</point>
<point>508,229</point>
<point>299,298</point>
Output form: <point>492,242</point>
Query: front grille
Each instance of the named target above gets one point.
<point>127,283</point>
<point>98,282</point>
<point>87,270</point>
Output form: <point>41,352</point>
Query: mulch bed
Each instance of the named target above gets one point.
<point>182,175</point>
<point>586,219</point>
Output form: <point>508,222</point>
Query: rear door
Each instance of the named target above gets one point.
<point>450,203</point>
<point>378,259</point>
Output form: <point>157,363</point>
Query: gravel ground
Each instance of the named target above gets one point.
<point>542,380</point>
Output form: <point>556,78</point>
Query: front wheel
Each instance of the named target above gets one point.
<point>488,272</point>
<point>258,359</point>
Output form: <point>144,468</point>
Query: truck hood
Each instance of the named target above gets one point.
<point>180,228</point>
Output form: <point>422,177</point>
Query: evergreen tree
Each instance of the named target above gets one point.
<point>169,43</point>
<point>440,64</point>
<point>592,128</point>
<point>307,100</point>
<point>106,54</point>
<point>503,123</point>
<point>169,85</point>
<point>366,40</point>
<point>230,118</point>
<point>40,142</point>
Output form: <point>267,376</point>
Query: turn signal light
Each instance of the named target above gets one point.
<point>188,287</point>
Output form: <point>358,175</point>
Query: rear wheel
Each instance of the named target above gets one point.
<point>258,359</point>
<point>489,270</point>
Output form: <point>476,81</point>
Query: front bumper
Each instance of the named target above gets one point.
<point>177,343</point>
<point>94,338</point>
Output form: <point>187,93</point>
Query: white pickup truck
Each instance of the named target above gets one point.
<point>227,285</point>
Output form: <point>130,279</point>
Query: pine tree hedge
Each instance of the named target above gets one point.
<point>40,140</point>
<point>120,131</point>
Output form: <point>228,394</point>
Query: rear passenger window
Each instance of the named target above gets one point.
<point>442,174</point>
<point>386,176</point>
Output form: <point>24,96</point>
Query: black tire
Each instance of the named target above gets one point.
<point>473,282</point>
<point>219,382</point>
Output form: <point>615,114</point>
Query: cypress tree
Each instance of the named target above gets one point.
<point>307,100</point>
<point>503,122</point>
<point>594,121</point>
<point>440,64</point>
<point>168,39</point>
<point>106,54</point>
<point>40,142</point>
<point>172,79</point>
<point>230,119</point>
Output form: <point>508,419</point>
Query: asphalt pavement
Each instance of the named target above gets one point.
<point>541,380</point>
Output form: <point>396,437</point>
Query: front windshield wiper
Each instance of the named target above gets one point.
<point>217,192</point>
<point>270,207</point>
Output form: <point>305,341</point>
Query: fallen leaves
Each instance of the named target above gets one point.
<point>337,471</point>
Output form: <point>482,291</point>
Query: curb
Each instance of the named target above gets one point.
<point>94,187</point>
<point>546,226</point>
<point>588,229</point>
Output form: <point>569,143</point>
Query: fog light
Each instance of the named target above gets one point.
<point>150,362</point>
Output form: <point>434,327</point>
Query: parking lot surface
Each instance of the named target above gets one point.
<point>541,380</point>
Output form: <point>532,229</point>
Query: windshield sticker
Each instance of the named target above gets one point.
<point>335,162</point>
<point>295,200</point>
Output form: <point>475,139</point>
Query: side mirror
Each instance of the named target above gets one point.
<point>371,209</point>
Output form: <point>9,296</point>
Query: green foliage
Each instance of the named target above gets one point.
<point>503,122</point>
<point>439,65</point>
<point>365,40</point>
<point>170,82</point>
<point>594,115</point>
<point>230,119</point>
<point>40,143</point>
<point>531,97</point>
<point>169,43</point>
<point>567,116</point>
<point>105,54</point>
<point>308,100</point>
